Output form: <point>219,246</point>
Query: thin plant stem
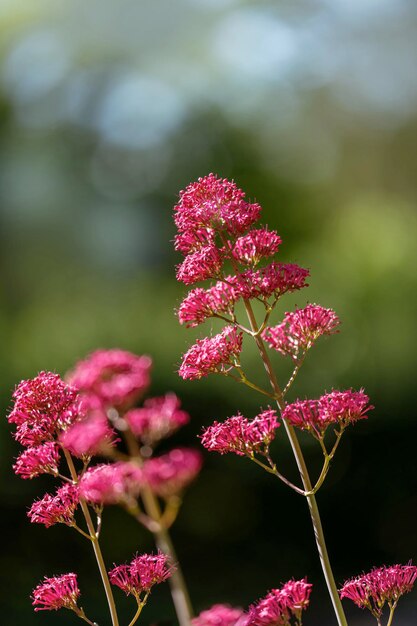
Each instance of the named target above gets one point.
<point>179,591</point>
<point>391,613</point>
<point>96,545</point>
<point>80,613</point>
<point>141,604</point>
<point>302,468</point>
<point>273,470</point>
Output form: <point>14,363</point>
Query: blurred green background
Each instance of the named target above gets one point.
<point>108,109</point>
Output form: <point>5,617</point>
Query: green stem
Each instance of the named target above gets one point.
<point>302,468</point>
<point>391,614</point>
<point>96,546</point>
<point>141,604</point>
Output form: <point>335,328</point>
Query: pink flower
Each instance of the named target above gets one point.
<point>43,459</point>
<point>41,408</point>
<point>158,418</point>
<point>89,436</point>
<point>274,279</point>
<point>204,263</point>
<point>240,435</point>
<point>141,574</point>
<point>280,605</point>
<point>256,245</point>
<point>301,329</point>
<point>201,304</point>
<point>381,585</point>
<point>212,203</point>
<point>212,354</point>
<point>337,407</point>
<point>170,473</point>
<point>60,592</point>
<point>56,509</point>
<point>117,377</point>
<point>218,615</point>
<point>111,483</point>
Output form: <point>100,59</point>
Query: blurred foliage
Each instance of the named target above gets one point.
<point>107,109</point>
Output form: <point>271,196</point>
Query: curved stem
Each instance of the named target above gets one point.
<point>391,613</point>
<point>141,604</point>
<point>273,470</point>
<point>179,591</point>
<point>96,546</point>
<point>302,468</point>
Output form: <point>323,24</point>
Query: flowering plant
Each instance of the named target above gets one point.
<point>66,426</point>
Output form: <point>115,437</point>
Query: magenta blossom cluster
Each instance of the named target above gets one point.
<point>58,508</point>
<point>258,244</point>
<point>170,473</point>
<point>36,460</point>
<point>157,418</point>
<point>280,606</point>
<point>58,592</point>
<point>240,435</point>
<point>301,329</point>
<point>117,377</point>
<point>338,408</point>
<point>141,574</point>
<point>111,483</point>
<point>218,615</point>
<point>90,435</point>
<point>380,586</point>
<point>213,354</point>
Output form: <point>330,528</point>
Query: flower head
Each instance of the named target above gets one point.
<point>117,377</point>
<point>280,605</point>
<point>111,483</point>
<point>337,407</point>
<point>141,574</point>
<point>383,584</point>
<point>240,435</point>
<point>158,418</point>
<point>274,279</point>
<point>201,304</point>
<point>56,509</point>
<point>59,592</point>
<point>300,329</point>
<point>256,245</point>
<point>218,615</point>
<point>211,204</point>
<point>41,408</point>
<point>36,460</point>
<point>212,354</point>
<point>170,473</point>
<point>89,435</point>
<point>201,264</point>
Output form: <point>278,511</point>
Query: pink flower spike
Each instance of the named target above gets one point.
<point>60,592</point>
<point>157,419</point>
<point>43,459</point>
<point>383,584</point>
<point>117,377</point>
<point>256,245</point>
<point>201,304</point>
<point>204,263</point>
<point>111,483</point>
<point>141,574</point>
<point>280,605</point>
<point>240,435</point>
<point>56,509</point>
<point>212,203</point>
<point>89,436</point>
<point>218,615</point>
<point>170,473</point>
<point>301,329</point>
<point>41,408</point>
<point>337,407</point>
<point>212,354</point>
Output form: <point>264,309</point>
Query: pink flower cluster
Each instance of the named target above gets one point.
<point>338,407</point>
<point>118,378</point>
<point>141,574</point>
<point>170,473</point>
<point>59,592</point>
<point>36,460</point>
<point>157,419</point>
<point>218,615</point>
<point>212,354</point>
<point>56,509</point>
<point>242,436</point>
<point>381,585</point>
<point>111,483</point>
<point>42,408</point>
<point>256,245</point>
<point>281,605</point>
<point>91,434</point>
<point>301,329</point>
